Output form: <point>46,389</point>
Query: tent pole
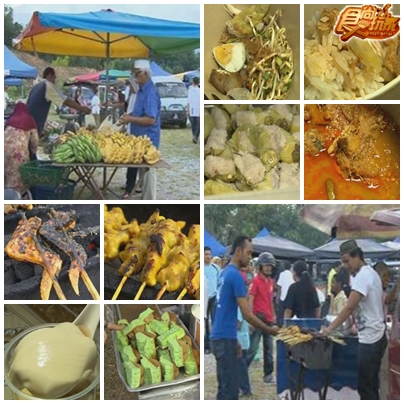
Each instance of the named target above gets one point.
<point>107,68</point>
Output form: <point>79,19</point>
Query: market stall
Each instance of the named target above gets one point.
<point>86,174</point>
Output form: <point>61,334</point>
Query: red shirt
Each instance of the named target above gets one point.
<point>262,288</point>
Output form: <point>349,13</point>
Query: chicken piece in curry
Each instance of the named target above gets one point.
<point>351,152</point>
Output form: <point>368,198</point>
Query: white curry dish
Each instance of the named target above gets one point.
<point>347,70</point>
<point>52,361</point>
<point>252,52</point>
<point>252,152</point>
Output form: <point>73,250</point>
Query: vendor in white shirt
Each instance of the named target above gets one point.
<point>367,298</point>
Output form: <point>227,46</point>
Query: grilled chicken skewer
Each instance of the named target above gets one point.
<point>193,282</point>
<point>134,256</point>
<point>75,251</point>
<point>174,276</point>
<point>24,246</point>
<point>164,238</point>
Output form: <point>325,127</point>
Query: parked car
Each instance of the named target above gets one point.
<point>174,99</point>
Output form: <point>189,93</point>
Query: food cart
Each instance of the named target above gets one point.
<point>319,369</point>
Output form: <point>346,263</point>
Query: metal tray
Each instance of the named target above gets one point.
<point>181,379</point>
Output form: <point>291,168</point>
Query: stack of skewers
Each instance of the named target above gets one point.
<point>293,335</point>
<point>157,250</point>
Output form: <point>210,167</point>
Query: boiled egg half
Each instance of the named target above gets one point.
<point>231,57</point>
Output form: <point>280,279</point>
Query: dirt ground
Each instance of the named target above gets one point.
<point>260,390</point>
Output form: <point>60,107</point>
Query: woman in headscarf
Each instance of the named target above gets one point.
<point>20,145</point>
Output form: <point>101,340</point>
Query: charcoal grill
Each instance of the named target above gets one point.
<point>22,280</point>
<point>315,354</point>
<point>190,214</point>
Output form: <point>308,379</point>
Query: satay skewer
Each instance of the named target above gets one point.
<point>47,266</point>
<point>86,279</point>
<point>161,292</point>
<point>140,291</point>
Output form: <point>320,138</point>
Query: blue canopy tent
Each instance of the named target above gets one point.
<point>217,248</point>
<point>16,68</point>
<point>158,71</point>
<point>10,81</point>
<point>263,233</point>
<point>370,248</point>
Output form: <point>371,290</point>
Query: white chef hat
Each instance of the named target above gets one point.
<point>142,64</point>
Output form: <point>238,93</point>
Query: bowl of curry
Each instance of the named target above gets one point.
<point>351,152</point>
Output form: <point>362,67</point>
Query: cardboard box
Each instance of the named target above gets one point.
<point>215,23</point>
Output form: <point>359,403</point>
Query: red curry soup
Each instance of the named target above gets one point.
<point>350,152</point>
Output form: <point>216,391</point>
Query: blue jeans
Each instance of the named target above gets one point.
<point>370,358</point>
<point>242,374</point>
<point>225,352</point>
<point>195,126</point>
<point>255,339</point>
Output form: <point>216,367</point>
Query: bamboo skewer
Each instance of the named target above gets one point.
<point>140,291</point>
<point>161,292</point>
<point>119,288</point>
<point>182,294</point>
<point>129,273</point>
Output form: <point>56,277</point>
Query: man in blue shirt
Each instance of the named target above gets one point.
<point>230,295</point>
<point>144,120</point>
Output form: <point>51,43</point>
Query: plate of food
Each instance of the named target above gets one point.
<point>351,152</point>
<point>252,51</point>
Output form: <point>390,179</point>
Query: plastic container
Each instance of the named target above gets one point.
<point>37,173</point>
<point>13,393</point>
<point>59,192</point>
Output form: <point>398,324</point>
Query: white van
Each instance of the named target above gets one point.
<point>174,99</point>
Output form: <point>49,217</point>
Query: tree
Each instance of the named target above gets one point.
<point>62,61</point>
<point>11,29</point>
<point>226,222</point>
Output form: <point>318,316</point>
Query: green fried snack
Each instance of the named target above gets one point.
<point>152,371</point>
<point>134,327</point>
<point>123,321</point>
<point>134,374</point>
<point>120,340</point>
<point>178,351</point>
<point>127,354</point>
<point>191,364</point>
<point>147,315</point>
<point>145,344</point>
<point>170,371</point>
<point>165,317</point>
<point>173,333</point>
<point>163,354</point>
<point>159,327</point>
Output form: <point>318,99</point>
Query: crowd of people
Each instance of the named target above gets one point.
<point>254,291</point>
<point>139,101</point>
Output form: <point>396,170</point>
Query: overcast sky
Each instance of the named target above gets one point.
<point>179,12</point>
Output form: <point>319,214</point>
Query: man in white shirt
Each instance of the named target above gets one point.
<point>211,272</point>
<point>284,281</point>
<point>367,298</point>
<point>194,100</point>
